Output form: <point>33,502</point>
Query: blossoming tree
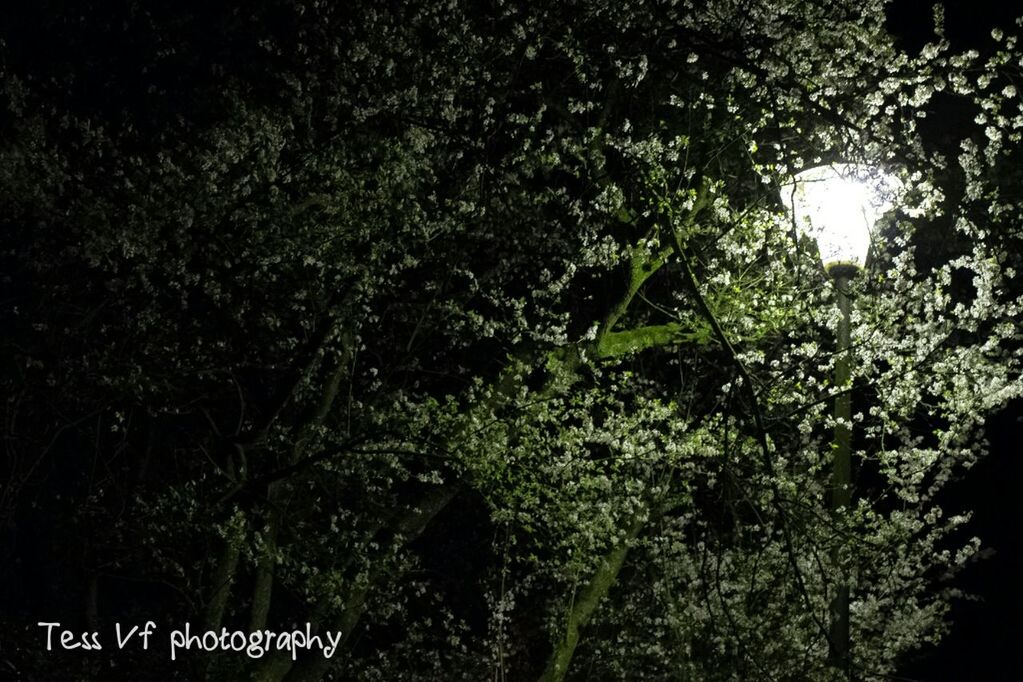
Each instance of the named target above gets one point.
<point>478,332</point>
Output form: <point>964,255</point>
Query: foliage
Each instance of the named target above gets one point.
<point>476,331</point>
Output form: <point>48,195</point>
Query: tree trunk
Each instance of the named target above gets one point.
<point>313,666</point>
<point>226,566</point>
<point>585,606</point>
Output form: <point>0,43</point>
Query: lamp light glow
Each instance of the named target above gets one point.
<point>838,205</point>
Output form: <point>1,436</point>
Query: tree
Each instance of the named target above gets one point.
<point>477,333</point>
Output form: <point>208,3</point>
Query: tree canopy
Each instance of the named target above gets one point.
<point>478,333</point>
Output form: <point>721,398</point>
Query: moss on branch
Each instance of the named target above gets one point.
<point>616,344</point>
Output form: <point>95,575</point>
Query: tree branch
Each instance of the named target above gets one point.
<point>586,605</point>
<point>616,344</point>
<point>758,420</point>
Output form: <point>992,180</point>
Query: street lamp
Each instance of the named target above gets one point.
<point>838,205</point>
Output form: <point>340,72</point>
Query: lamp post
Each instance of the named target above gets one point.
<point>838,206</point>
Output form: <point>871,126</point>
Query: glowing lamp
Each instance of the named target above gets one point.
<point>838,205</point>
